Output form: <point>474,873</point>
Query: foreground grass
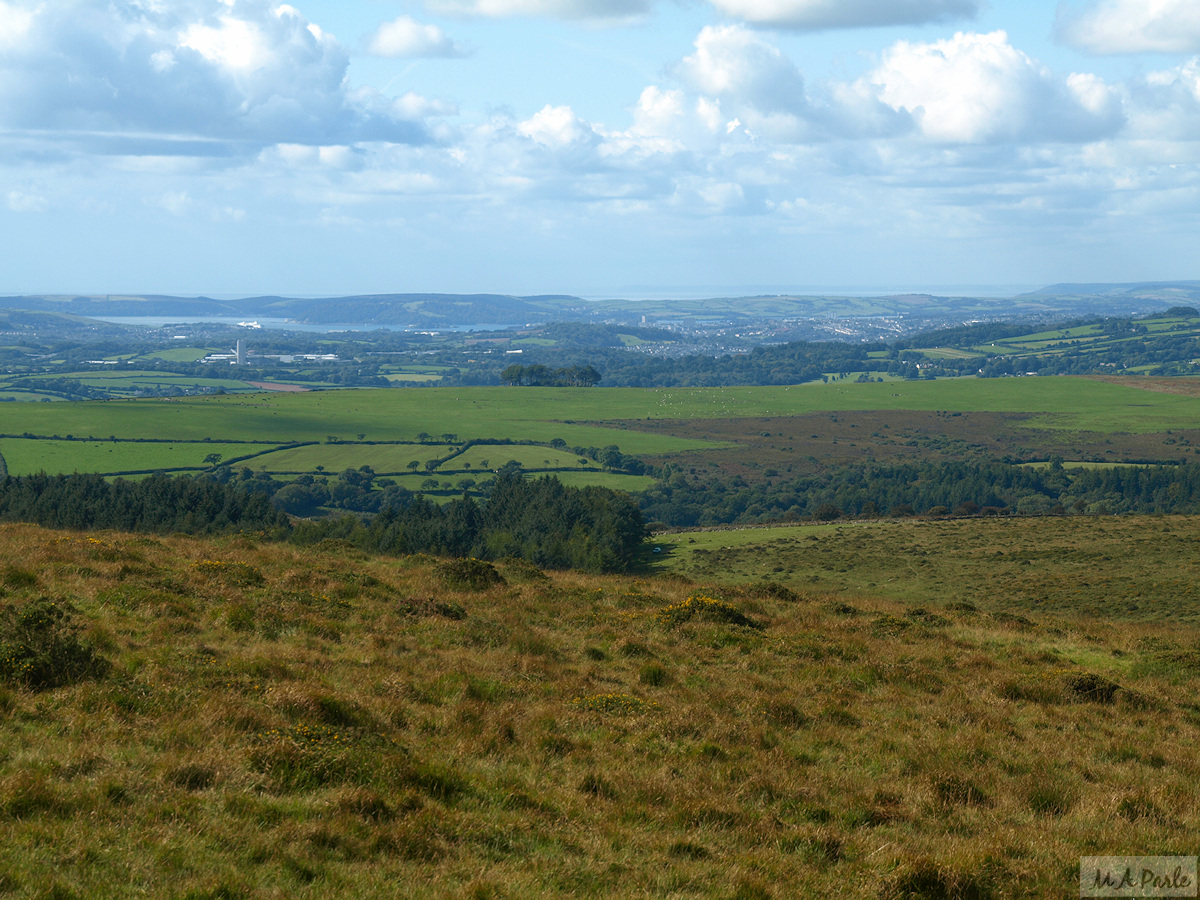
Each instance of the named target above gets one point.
<point>309,723</point>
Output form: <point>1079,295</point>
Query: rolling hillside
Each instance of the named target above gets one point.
<point>232,718</point>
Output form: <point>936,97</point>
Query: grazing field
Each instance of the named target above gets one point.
<point>241,719</point>
<point>383,458</point>
<point>27,457</point>
<point>182,354</point>
<point>780,428</point>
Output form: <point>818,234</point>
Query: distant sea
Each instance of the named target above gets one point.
<point>281,324</point>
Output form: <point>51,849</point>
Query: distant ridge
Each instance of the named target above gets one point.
<point>1147,289</point>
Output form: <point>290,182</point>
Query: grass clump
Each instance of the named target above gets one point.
<point>40,647</point>
<point>1091,687</point>
<point>231,573</point>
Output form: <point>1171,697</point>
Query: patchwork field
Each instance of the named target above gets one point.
<point>741,430</point>
<point>240,719</point>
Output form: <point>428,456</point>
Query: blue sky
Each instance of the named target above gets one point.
<point>595,147</point>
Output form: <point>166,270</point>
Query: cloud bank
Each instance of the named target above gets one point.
<point>596,10</point>
<point>140,75</point>
<point>1131,26</point>
<point>824,14</point>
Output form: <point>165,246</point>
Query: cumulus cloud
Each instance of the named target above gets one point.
<point>233,72</point>
<point>746,78</point>
<point>405,37</point>
<point>978,88</point>
<point>821,14</point>
<point>1131,26</point>
<point>597,10</point>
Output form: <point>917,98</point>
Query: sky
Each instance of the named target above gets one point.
<point>595,147</point>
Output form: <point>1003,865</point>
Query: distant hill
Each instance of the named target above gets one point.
<point>1158,290</point>
<point>438,311</point>
<point>417,310</point>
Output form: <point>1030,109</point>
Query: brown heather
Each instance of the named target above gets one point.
<point>278,722</point>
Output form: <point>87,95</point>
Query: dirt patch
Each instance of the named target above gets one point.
<point>1185,387</point>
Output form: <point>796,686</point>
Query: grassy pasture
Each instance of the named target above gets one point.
<point>648,422</point>
<point>533,414</point>
<point>135,381</point>
<point>339,457</point>
<point>27,396</point>
<point>1128,567</point>
<point>181,354</point>
<point>413,377</point>
<point>283,722</point>
<point>496,455</point>
<point>616,481</point>
<point>27,457</point>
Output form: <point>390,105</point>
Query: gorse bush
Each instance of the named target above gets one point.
<point>705,609</point>
<point>40,647</point>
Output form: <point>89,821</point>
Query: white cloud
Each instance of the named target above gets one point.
<point>198,76</point>
<point>597,10</point>
<point>1131,26</point>
<point>977,88</point>
<point>407,38</point>
<point>14,25</point>
<point>820,14</point>
<point>746,77</point>
<point>555,126</point>
<point>21,202</point>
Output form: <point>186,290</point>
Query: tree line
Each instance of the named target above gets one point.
<point>542,520</point>
<point>937,488</point>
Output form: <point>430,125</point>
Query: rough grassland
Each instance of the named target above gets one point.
<point>280,722</point>
<point>1122,567</point>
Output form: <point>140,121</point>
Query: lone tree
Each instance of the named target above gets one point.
<point>212,459</point>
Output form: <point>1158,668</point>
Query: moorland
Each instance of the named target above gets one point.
<point>900,631</point>
<point>236,717</point>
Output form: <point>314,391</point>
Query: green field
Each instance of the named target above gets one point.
<point>181,354</point>
<point>413,377</point>
<point>494,456</point>
<point>589,417</point>
<point>335,458</point>
<point>26,457</point>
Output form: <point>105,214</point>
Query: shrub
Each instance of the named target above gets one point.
<point>1089,686</point>
<point>469,574</point>
<point>776,590</point>
<point>705,609</point>
<point>40,647</point>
